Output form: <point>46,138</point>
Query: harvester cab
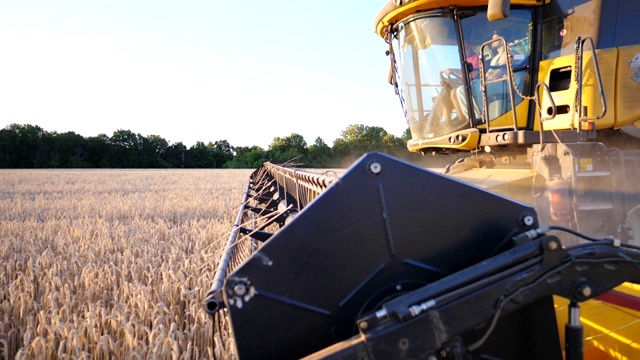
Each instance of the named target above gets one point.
<point>447,72</point>
<point>467,83</point>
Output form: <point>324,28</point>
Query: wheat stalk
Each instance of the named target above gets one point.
<point>112,264</point>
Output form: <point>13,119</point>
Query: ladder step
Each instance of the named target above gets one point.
<point>595,206</point>
<point>592,173</point>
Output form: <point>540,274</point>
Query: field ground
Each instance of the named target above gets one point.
<point>112,264</point>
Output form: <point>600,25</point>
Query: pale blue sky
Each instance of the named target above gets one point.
<point>244,71</point>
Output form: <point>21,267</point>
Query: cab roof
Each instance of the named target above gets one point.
<point>395,10</point>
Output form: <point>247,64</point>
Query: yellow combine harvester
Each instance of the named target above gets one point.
<point>525,249</point>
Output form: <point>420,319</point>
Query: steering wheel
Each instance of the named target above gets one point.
<point>453,79</point>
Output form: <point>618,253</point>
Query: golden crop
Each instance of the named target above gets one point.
<point>112,264</point>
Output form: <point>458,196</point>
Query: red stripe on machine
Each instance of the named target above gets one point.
<point>621,299</point>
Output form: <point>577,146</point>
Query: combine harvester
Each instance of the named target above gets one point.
<point>526,249</point>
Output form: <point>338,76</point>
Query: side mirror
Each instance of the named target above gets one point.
<point>498,9</point>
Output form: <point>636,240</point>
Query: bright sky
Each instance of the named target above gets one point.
<point>244,71</point>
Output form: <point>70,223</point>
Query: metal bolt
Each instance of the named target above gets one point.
<point>585,290</point>
<point>375,168</point>
<point>403,344</point>
<point>527,220</point>
<point>363,325</point>
<point>552,245</point>
<point>240,289</point>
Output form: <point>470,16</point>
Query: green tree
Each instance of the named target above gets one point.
<point>291,148</point>
<point>99,149</point>
<point>394,145</point>
<point>406,135</point>
<point>249,157</point>
<point>356,140</point>
<point>201,156</point>
<point>125,152</point>
<point>175,155</point>
<point>69,150</point>
<point>154,148</point>
<point>9,148</point>
<point>126,139</point>
<point>25,146</point>
<point>157,144</point>
<point>320,154</point>
<point>222,153</point>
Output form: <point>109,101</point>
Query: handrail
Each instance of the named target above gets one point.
<point>580,44</point>
<point>509,79</point>
<point>538,101</point>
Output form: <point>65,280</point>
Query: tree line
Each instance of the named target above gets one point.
<point>30,146</point>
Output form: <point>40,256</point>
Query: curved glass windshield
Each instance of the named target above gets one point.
<point>439,94</point>
<point>425,49</point>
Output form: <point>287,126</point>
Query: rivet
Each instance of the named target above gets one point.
<point>527,220</point>
<point>240,289</point>
<point>375,168</point>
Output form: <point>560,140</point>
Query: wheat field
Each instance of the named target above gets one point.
<point>112,264</point>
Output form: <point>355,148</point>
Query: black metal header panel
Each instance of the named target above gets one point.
<point>385,228</point>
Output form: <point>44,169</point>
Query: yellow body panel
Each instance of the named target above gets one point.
<point>560,98</point>
<point>591,100</point>
<point>522,111</point>
<point>610,331</point>
<point>620,80</point>
<point>471,141</point>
